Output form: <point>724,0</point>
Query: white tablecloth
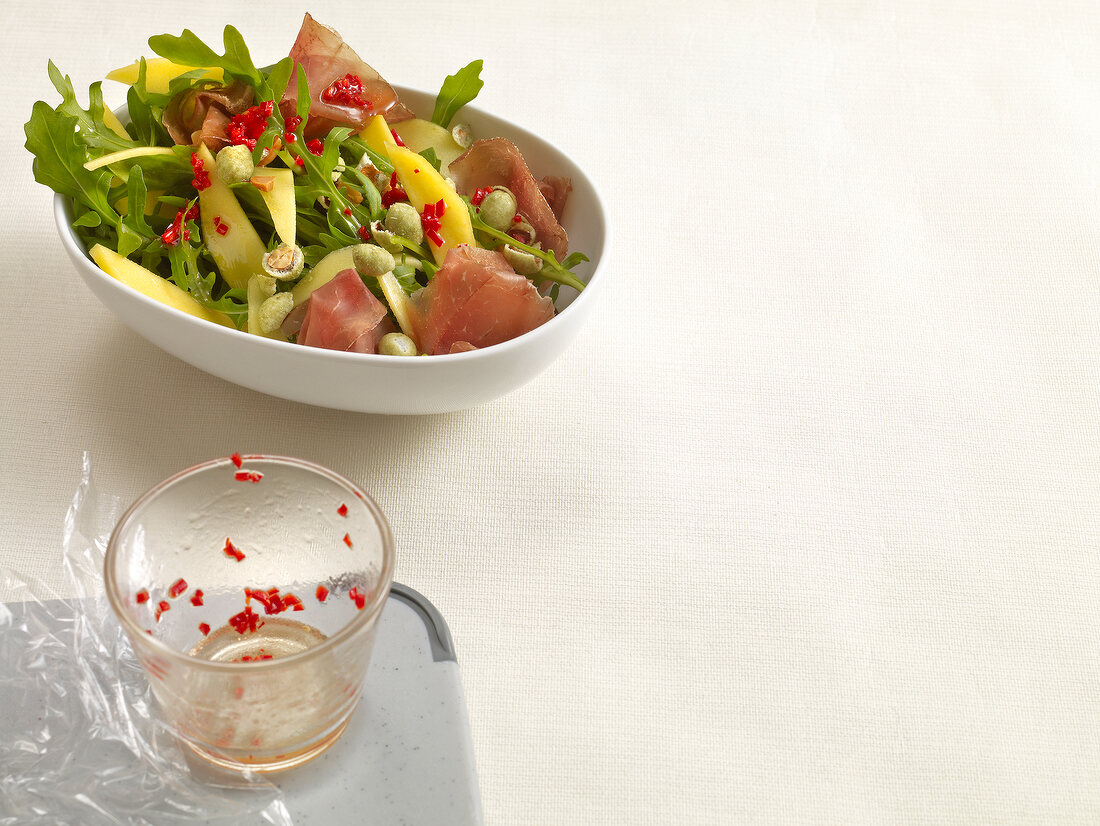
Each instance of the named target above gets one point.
<point>804,526</point>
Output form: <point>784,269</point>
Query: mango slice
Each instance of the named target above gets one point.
<point>115,125</point>
<point>376,135</point>
<point>419,135</point>
<point>125,155</point>
<point>426,186</point>
<point>280,203</point>
<point>256,297</point>
<point>149,283</point>
<point>239,251</point>
<point>324,271</point>
<point>399,304</point>
<point>159,73</point>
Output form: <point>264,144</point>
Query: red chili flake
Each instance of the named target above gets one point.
<point>196,598</point>
<point>246,620</point>
<point>142,596</point>
<point>397,138</point>
<point>220,226</point>
<point>204,628</point>
<point>178,587</point>
<point>342,510</point>
<point>202,178</point>
<point>171,236</point>
<point>479,195</point>
<point>298,160</point>
<point>347,540</point>
<point>430,221</point>
<point>347,210</point>
<point>364,233</point>
<point>162,606</point>
<point>232,550</point>
<point>236,459</point>
<point>347,91</point>
<point>516,218</point>
<point>292,123</point>
<point>416,170</point>
<point>147,631</point>
<point>322,593</point>
<point>246,128</point>
<point>252,476</point>
<point>291,601</point>
<point>193,212</point>
<point>315,146</point>
<point>358,597</point>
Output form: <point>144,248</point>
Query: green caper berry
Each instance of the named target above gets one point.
<point>403,219</point>
<point>371,261</point>
<point>285,262</point>
<point>264,283</point>
<point>498,208</point>
<point>396,344</point>
<point>463,135</point>
<point>274,311</point>
<point>384,238</point>
<point>522,262</point>
<point>234,164</point>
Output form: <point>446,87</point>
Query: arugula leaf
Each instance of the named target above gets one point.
<point>457,90</point>
<point>90,121</point>
<point>189,50</point>
<point>134,218</point>
<point>430,156</point>
<point>59,161</point>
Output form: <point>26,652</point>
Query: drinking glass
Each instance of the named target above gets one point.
<point>251,591</point>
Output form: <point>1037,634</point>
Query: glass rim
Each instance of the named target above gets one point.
<point>361,619</point>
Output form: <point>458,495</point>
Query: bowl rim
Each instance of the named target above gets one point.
<point>62,218</point>
<point>362,619</point>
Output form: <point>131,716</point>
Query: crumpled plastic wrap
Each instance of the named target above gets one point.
<point>79,739</point>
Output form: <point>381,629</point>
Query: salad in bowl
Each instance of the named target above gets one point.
<point>306,203</point>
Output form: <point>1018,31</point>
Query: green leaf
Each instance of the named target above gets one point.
<point>88,121</point>
<point>430,156</point>
<point>457,90</point>
<point>189,50</point>
<point>89,219</point>
<point>135,204</point>
<point>128,241</point>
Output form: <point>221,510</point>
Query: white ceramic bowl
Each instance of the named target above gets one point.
<point>363,382</point>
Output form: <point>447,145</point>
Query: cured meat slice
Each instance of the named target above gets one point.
<point>203,115</point>
<point>326,59</point>
<point>555,190</point>
<point>497,162</point>
<point>344,315</point>
<point>475,300</point>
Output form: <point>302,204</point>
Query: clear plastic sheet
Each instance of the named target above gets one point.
<point>79,739</point>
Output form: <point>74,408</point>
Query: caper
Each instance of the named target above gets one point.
<point>498,208</point>
<point>371,261</point>
<point>522,262</point>
<point>463,135</point>
<point>403,219</point>
<point>396,344</point>
<point>274,310</point>
<point>285,262</point>
<point>234,164</point>
<point>264,283</point>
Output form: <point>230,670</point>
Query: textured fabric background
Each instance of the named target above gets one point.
<point>804,526</point>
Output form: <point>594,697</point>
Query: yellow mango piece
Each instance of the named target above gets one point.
<point>399,304</point>
<point>159,73</point>
<point>280,203</point>
<point>115,125</point>
<point>376,135</point>
<point>426,186</point>
<point>257,295</point>
<point>419,135</point>
<point>324,271</point>
<point>149,283</point>
<point>239,252</point>
<point>127,154</point>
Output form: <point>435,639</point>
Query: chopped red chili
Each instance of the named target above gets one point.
<point>252,476</point>
<point>178,587</point>
<point>397,138</point>
<point>298,160</point>
<point>292,123</point>
<point>358,597</point>
<point>204,628</point>
<point>430,220</point>
<point>347,210</point>
<point>172,235</point>
<point>236,459</point>
<point>394,193</point>
<point>162,606</point>
<point>347,540</point>
<point>516,219</point>
<point>142,596</point>
<point>246,620</point>
<point>347,91</point>
<point>233,551</point>
<point>193,212</point>
<point>220,226</point>
<point>196,598</point>
<point>315,146</point>
<point>364,233</point>
<point>246,128</point>
<point>342,510</point>
<point>479,195</point>
<point>291,601</point>
<point>322,593</point>
<point>202,178</point>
